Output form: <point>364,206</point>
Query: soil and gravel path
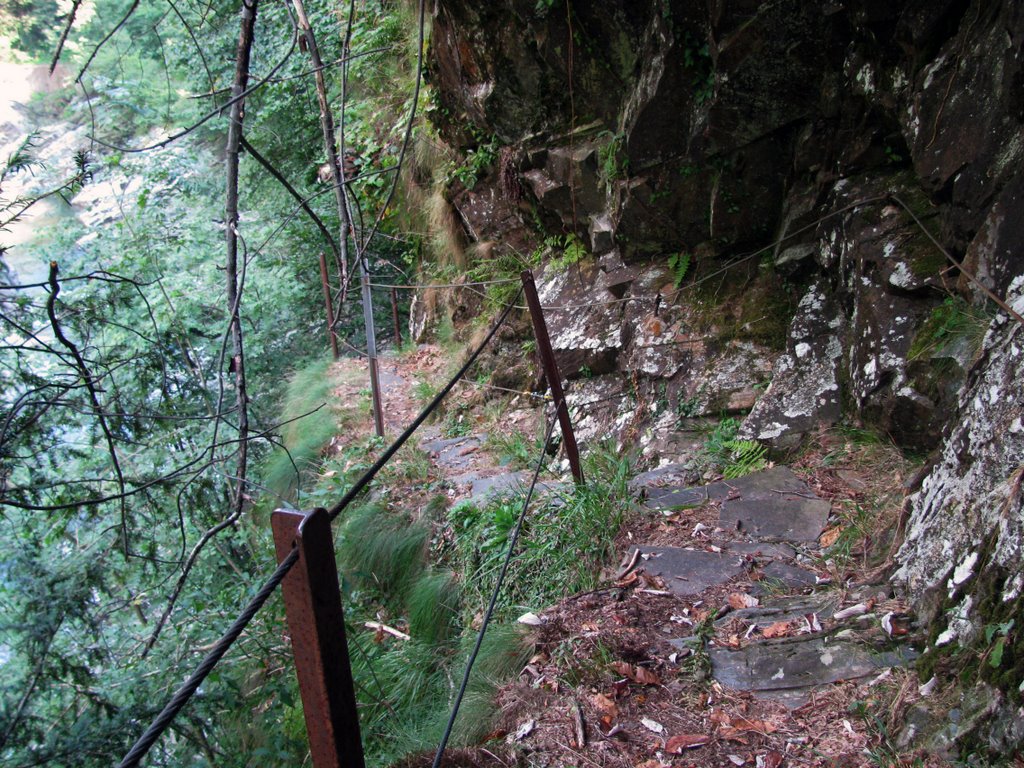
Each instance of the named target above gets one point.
<point>732,632</point>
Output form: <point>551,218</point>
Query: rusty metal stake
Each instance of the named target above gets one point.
<point>330,310</point>
<point>312,603</point>
<point>547,360</point>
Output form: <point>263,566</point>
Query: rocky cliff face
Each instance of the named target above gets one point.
<point>775,197</point>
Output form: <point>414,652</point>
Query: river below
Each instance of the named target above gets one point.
<point>19,83</point>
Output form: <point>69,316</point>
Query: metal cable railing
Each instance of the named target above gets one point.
<point>185,692</point>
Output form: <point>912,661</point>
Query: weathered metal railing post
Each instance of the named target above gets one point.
<point>312,602</point>
<point>547,360</point>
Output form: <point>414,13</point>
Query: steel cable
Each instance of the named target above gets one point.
<point>191,685</point>
<point>513,540</point>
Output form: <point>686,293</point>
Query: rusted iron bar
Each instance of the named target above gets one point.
<point>312,602</point>
<point>330,309</point>
<point>547,360</point>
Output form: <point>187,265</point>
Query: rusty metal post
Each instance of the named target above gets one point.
<point>371,344</point>
<point>312,603</point>
<point>394,317</point>
<point>330,310</point>
<point>547,360</point>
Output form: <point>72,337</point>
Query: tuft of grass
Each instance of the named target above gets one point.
<point>512,449</point>
<point>433,606</point>
<point>953,326</point>
<point>882,750</point>
<point>310,426</point>
<point>565,541</point>
<point>383,551</point>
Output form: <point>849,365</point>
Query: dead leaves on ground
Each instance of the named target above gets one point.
<point>636,673</point>
<point>738,728</point>
<point>740,600</point>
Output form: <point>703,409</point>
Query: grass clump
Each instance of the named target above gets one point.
<point>309,426</point>
<point>383,551</point>
<point>512,449</point>
<point>566,539</point>
<point>404,686</point>
<point>954,325</point>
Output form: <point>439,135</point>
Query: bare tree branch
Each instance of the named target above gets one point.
<point>90,385</point>
<point>330,146</point>
<point>268,166</point>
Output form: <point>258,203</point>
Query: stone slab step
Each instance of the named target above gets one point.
<point>773,504</point>
<point>788,665</point>
<point>688,571</point>
<point>455,453</point>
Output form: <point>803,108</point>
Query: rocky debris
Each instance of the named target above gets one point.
<point>775,647</point>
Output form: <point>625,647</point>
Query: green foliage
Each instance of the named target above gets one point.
<point>731,456</point>
<point>476,162</point>
<point>565,541</point>
<point>151,327</point>
<point>679,265</point>
<point>382,551</point>
<point>565,251</point>
<point>29,26</point>
<point>882,750</point>
<point>953,326</point>
<point>404,686</point>
<point>309,425</point>
<point>996,638</point>
<point>613,164</point>
<point>512,448</point>
<point>697,59</point>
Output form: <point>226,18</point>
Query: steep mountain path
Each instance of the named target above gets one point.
<point>731,633</point>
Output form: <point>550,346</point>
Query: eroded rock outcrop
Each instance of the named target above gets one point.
<point>823,168</point>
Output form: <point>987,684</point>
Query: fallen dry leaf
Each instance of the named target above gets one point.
<point>778,629</point>
<point>830,536</point>
<point>733,734</point>
<point>652,725</point>
<point>604,704</point>
<point>745,724</point>
<point>651,764</point>
<point>677,744</point>
<point>771,759</point>
<point>640,675</point>
<point>740,600</point>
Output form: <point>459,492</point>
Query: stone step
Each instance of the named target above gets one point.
<point>789,669</point>
<point>690,571</point>
<point>773,504</point>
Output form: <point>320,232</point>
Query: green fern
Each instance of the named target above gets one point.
<point>745,457</point>
<point>679,263</point>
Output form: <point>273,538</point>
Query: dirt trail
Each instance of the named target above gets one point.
<point>731,634</point>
